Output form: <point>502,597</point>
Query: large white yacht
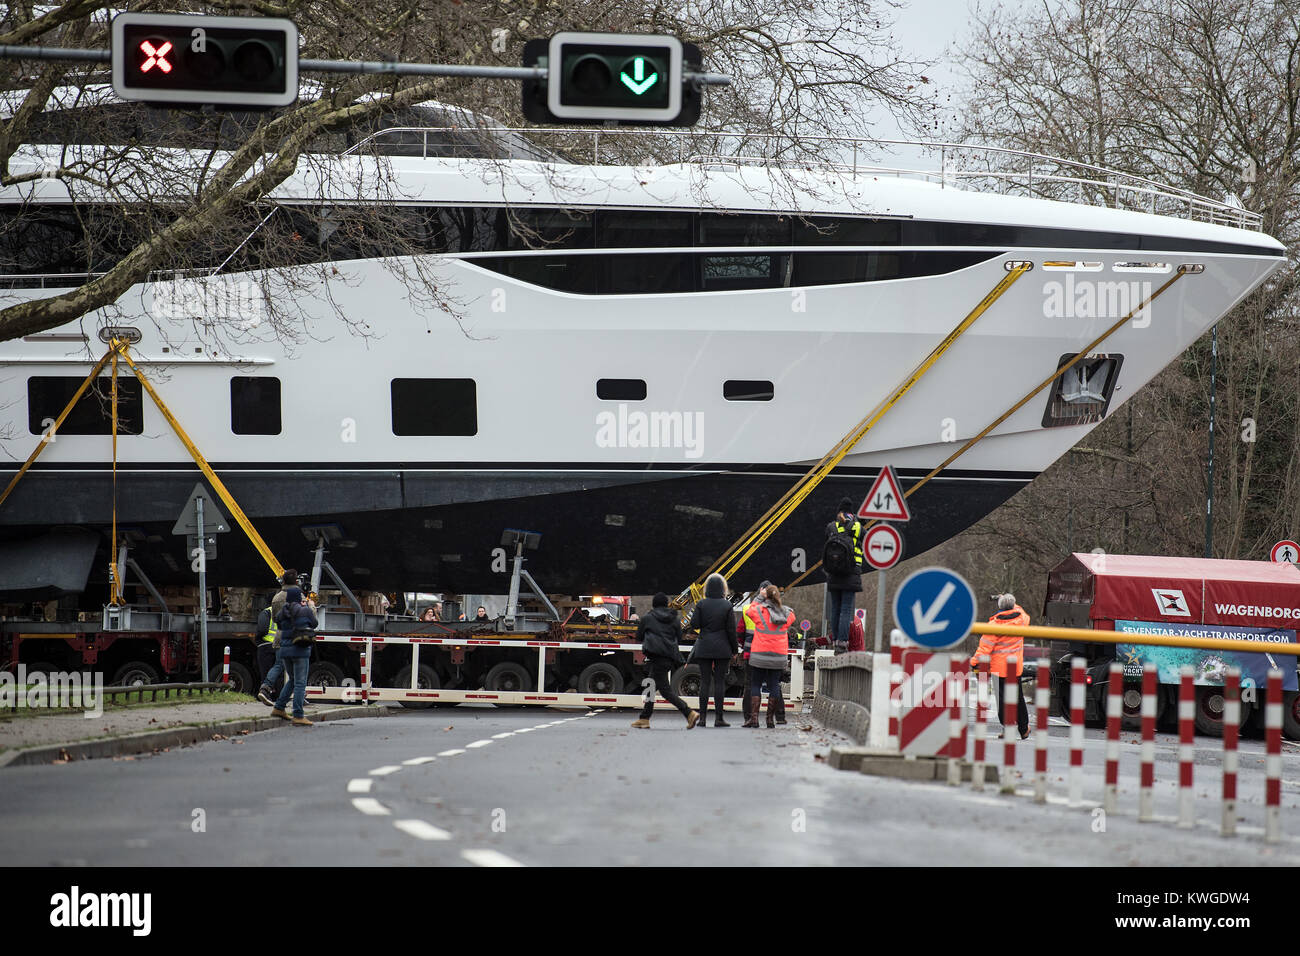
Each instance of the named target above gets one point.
<point>635,361</point>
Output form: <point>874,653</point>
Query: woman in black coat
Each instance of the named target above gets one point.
<point>715,619</point>
<point>659,633</point>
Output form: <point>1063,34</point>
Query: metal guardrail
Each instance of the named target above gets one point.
<point>843,693</point>
<point>1005,170</point>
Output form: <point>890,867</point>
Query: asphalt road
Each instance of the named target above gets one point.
<point>545,787</point>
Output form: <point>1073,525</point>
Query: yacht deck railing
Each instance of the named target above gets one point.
<point>982,168</point>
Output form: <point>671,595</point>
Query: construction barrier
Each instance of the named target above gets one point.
<point>368,693</point>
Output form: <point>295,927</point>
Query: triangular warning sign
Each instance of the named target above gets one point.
<point>214,522</point>
<point>885,501</point>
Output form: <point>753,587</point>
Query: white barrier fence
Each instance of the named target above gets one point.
<point>369,693</point>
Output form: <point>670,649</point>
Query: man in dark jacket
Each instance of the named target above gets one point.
<point>842,589</point>
<point>298,619</point>
<point>268,648</point>
<point>659,635</point>
<point>715,619</point>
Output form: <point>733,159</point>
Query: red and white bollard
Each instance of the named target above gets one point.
<point>1186,746</point>
<point>956,687</point>
<point>365,675</point>
<point>1078,687</point>
<point>981,723</point>
<point>896,680</point>
<point>1231,724</point>
<point>1010,695</point>
<point>1114,715</point>
<point>225,667</point>
<point>1146,802</point>
<point>1273,758</point>
<point>1042,704</point>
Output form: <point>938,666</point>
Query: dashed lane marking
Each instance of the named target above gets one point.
<point>384,771</point>
<point>508,733</point>
<point>370,806</point>
<point>359,785</point>
<point>488,858</point>
<point>416,761</point>
<point>525,730</point>
<point>450,753</point>
<point>476,744</point>
<point>421,830</point>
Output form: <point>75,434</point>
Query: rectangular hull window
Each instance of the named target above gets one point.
<point>1082,395</point>
<point>255,406</point>
<point>620,390</point>
<point>737,390</point>
<point>435,406</point>
<point>93,414</point>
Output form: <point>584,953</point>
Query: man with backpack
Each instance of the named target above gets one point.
<point>297,626</point>
<point>842,565</point>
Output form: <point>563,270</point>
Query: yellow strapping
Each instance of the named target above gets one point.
<point>58,423</point>
<point>971,442</point>
<point>114,572</point>
<point>217,486</point>
<point>753,539</point>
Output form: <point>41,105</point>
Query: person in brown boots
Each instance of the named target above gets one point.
<point>768,651</point>
<point>659,633</point>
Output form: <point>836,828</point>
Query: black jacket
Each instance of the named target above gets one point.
<point>715,619</point>
<point>844,582</point>
<point>659,633</point>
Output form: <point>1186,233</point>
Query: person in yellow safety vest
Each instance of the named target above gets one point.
<point>844,584</point>
<point>268,650</point>
<point>999,649</point>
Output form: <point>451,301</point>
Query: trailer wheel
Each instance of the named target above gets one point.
<point>425,679</point>
<point>507,677</point>
<point>241,678</point>
<point>325,674</point>
<point>135,673</point>
<point>686,681</point>
<point>1209,711</point>
<point>1131,705</point>
<point>600,678</point>
<point>1291,715</point>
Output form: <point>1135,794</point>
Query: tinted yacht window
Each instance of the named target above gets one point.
<point>435,406</point>
<point>255,405</point>
<point>635,229</point>
<point>47,395</point>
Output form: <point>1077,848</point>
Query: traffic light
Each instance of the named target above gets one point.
<point>201,60</point>
<point>612,78</point>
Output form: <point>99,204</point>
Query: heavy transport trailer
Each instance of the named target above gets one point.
<point>407,662</point>
<point>1191,597</point>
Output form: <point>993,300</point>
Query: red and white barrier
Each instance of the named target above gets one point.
<point>1078,687</point>
<point>1273,758</point>
<point>924,720</point>
<point>1186,746</point>
<point>1114,715</point>
<point>1231,724</point>
<point>225,666</point>
<point>365,674</point>
<point>1010,696</point>
<point>1146,800</point>
<point>981,723</point>
<point>1042,705</point>
<point>956,725</point>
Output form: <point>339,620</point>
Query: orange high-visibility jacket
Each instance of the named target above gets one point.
<point>1000,648</point>
<point>769,638</point>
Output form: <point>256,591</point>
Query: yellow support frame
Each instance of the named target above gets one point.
<point>118,350</point>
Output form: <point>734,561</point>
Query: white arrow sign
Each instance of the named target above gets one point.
<point>926,623</point>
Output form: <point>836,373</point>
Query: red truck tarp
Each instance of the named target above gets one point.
<point>1131,587</point>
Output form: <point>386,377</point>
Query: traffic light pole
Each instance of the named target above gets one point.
<point>347,66</point>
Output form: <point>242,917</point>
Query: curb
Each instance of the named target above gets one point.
<point>886,763</point>
<point>153,740</point>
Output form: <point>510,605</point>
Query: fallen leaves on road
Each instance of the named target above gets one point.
<point>244,733</point>
<point>819,756</point>
<point>448,727</point>
<point>64,756</point>
<point>219,737</point>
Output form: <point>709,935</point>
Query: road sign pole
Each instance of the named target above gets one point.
<point>880,612</point>
<point>203,591</point>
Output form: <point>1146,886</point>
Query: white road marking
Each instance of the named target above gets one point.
<point>370,806</point>
<point>384,771</point>
<point>421,830</point>
<point>450,753</point>
<point>508,733</point>
<point>476,744</point>
<point>359,785</point>
<point>525,730</point>
<point>416,761</point>
<point>488,858</point>
<point>539,727</point>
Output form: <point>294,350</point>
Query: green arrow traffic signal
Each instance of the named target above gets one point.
<point>638,83</point>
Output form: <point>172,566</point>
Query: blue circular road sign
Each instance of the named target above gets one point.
<point>935,608</point>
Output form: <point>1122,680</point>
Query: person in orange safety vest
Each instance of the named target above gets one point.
<point>999,649</point>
